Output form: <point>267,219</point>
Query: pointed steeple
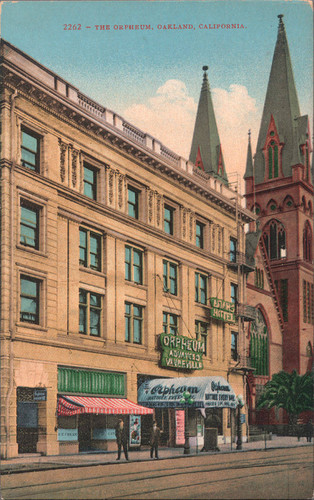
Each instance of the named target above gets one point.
<point>282,104</point>
<point>249,160</point>
<point>206,148</point>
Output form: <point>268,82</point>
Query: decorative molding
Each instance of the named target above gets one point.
<point>63,150</point>
<point>110,185</point>
<point>75,155</point>
<point>121,178</point>
<point>150,204</point>
<point>159,208</point>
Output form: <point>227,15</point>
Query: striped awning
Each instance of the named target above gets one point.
<point>74,405</point>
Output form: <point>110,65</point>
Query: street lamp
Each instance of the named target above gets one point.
<point>239,423</point>
<point>186,400</point>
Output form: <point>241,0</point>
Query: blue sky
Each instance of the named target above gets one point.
<point>153,77</point>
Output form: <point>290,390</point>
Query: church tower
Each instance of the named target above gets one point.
<point>279,189</point>
<point>206,151</point>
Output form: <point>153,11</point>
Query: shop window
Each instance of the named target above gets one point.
<point>308,302</point>
<point>30,150</point>
<point>233,250</point>
<point>234,346</point>
<point>133,323</point>
<point>170,277</point>
<point>201,292</point>
<point>90,249</point>
<point>282,290</point>
<point>133,202</point>
<point>199,235</point>
<point>274,236</point>
<point>168,219</point>
<point>201,331</point>
<point>90,305</point>
<point>133,265</point>
<point>259,345</point>
<point>29,225</point>
<point>29,299</point>
<point>170,323</point>
<point>90,181</point>
<point>307,242</point>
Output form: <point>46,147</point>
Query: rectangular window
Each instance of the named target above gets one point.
<point>199,235</point>
<point>133,265</point>
<point>234,294</point>
<point>29,300</point>
<point>133,202</point>
<point>282,289</point>
<point>30,150</point>
<point>201,329</point>
<point>90,249</point>
<point>168,219</point>
<point>233,250</point>
<point>29,225</point>
<point>234,346</point>
<point>201,288</point>
<point>170,277</point>
<point>90,313</point>
<point>90,181</point>
<point>170,323</point>
<point>133,323</point>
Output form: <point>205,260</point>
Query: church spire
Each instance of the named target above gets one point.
<point>249,159</point>
<point>206,151</point>
<point>281,116</point>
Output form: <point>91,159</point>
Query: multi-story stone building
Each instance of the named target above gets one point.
<point>108,240</point>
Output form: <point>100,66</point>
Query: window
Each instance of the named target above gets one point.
<point>29,305</point>
<point>133,264</point>
<point>133,202</point>
<point>90,249</point>
<point>90,181</point>
<point>282,289</point>
<point>201,330</point>
<point>170,277</point>
<point>259,278</point>
<point>199,235</point>
<point>90,313</point>
<point>29,225</point>
<point>234,294</point>
<point>275,240</point>
<point>307,242</point>
<point>308,302</point>
<point>233,250</point>
<point>201,288</point>
<point>133,323</point>
<point>30,150</point>
<point>170,323</point>
<point>168,219</point>
<point>259,345</point>
<point>234,346</point>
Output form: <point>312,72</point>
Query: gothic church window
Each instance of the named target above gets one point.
<point>274,236</point>
<point>259,345</point>
<point>307,242</point>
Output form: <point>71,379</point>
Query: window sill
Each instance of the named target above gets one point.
<point>32,250</point>
<point>31,326</point>
<point>137,285</point>
<point>92,271</point>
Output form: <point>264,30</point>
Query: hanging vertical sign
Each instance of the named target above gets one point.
<point>135,430</point>
<point>180,427</point>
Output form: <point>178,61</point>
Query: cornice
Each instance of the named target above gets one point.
<point>71,113</point>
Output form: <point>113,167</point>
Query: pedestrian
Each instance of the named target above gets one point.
<point>122,440</point>
<point>154,440</point>
<point>309,430</point>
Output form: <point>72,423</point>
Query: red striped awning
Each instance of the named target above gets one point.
<point>74,405</point>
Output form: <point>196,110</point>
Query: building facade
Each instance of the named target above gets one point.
<point>111,246</point>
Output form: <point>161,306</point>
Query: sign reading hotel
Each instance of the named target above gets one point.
<point>222,310</point>
<point>181,352</point>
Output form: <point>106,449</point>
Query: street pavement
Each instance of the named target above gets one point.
<point>36,462</point>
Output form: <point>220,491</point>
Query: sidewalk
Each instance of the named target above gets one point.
<point>35,462</point>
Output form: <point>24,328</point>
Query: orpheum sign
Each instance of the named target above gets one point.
<point>181,352</point>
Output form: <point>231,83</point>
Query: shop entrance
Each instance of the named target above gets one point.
<point>84,432</point>
<point>27,420</point>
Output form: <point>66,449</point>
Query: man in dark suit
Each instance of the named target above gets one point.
<point>122,439</point>
<point>154,440</point>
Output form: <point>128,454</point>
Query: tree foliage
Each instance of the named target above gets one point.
<point>290,391</point>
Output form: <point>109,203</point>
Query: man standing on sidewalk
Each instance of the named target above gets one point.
<point>122,440</point>
<point>154,440</point>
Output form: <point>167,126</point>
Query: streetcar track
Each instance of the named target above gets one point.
<point>149,475</point>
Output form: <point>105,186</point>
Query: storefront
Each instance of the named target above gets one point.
<point>208,397</point>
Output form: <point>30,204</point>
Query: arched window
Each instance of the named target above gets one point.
<point>275,240</point>
<point>259,345</point>
<point>307,242</point>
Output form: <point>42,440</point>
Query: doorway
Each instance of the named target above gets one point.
<point>84,432</point>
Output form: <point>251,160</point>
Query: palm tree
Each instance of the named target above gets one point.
<point>289,391</point>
